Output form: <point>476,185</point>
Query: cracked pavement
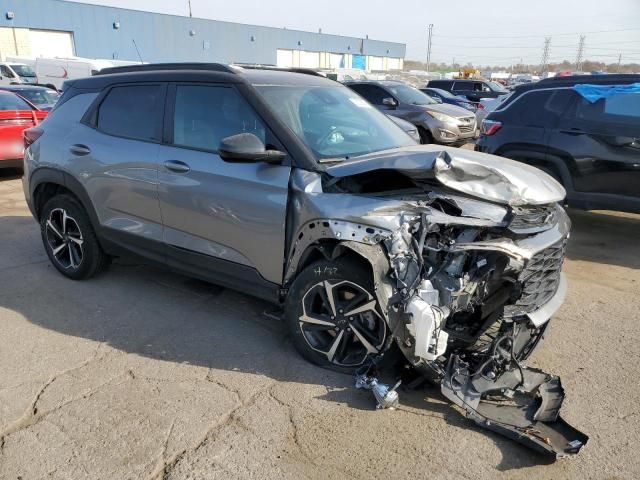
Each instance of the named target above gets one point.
<point>145,374</point>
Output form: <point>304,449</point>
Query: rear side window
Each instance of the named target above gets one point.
<point>461,86</point>
<point>204,115</point>
<point>132,112</point>
<point>372,93</point>
<point>538,109</point>
<point>622,109</point>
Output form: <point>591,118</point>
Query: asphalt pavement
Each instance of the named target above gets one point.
<point>143,373</point>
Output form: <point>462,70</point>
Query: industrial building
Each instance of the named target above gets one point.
<point>58,28</point>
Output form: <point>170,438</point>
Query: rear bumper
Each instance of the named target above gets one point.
<point>11,163</point>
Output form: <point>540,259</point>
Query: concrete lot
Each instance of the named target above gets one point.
<point>141,373</point>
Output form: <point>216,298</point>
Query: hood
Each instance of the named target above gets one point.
<point>448,109</point>
<point>480,175</point>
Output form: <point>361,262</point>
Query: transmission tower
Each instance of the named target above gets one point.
<point>545,55</point>
<point>430,34</point>
<point>580,53</point>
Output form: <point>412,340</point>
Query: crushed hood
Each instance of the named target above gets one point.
<point>480,175</point>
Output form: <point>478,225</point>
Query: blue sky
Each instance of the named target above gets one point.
<point>482,32</point>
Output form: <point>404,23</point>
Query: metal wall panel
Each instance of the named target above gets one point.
<point>173,38</point>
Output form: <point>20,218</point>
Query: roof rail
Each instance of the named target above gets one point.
<point>257,66</point>
<point>152,67</point>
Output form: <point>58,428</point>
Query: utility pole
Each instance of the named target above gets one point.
<point>619,61</point>
<point>190,13</point>
<point>580,53</point>
<point>545,56</point>
<point>429,48</point>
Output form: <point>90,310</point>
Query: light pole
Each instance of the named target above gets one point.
<point>429,48</point>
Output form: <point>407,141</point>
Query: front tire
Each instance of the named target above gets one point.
<point>425,136</point>
<point>333,316</point>
<point>69,239</point>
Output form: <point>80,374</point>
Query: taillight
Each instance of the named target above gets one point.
<point>30,135</point>
<point>490,127</point>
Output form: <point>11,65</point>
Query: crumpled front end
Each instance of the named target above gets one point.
<point>467,286</point>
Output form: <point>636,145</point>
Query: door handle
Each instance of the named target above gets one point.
<point>177,166</point>
<point>80,150</point>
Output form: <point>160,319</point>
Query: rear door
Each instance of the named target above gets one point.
<point>220,218</point>
<point>114,153</point>
<point>604,140</point>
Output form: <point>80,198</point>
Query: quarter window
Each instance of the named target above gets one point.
<point>132,112</point>
<point>204,115</point>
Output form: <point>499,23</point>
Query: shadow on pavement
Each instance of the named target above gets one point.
<point>605,237</point>
<point>10,174</point>
<point>153,313</point>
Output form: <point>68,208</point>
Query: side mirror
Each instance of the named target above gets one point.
<point>389,102</point>
<point>246,147</point>
<point>437,99</point>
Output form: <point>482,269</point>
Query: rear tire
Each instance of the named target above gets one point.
<point>333,316</point>
<point>69,239</point>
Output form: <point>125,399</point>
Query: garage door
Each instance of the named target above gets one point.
<point>284,58</point>
<point>375,63</point>
<point>309,59</point>
<point>48,43</point>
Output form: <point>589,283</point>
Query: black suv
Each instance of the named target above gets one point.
<point>474,90</point>
<point>592,148</point>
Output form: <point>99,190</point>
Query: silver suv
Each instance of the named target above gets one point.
<point>436,122</point>
<point>291,187</point>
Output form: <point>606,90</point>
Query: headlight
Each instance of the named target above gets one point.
<point>440,116</point>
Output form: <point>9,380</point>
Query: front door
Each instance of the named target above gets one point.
<point>228,218</point>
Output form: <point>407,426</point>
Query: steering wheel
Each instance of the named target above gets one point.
<point>325,138</point>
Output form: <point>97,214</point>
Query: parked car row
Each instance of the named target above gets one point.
<point>589,145</point>
<point>435,121</point>
<point>16,115</point>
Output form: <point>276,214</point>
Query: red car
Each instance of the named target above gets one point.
<point>16,115</point>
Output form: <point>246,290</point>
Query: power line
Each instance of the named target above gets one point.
<point>539,36</point>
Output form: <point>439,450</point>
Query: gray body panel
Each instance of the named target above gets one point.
<point>233,211</point>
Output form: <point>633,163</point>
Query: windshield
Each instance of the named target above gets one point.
<point>23,70</point>
<point>410,95</point>
<point>496,87</point>
<point>442,93</point>
<point>40,97</point>
<point>334,122</point>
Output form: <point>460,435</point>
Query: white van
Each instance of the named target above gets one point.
<point>17,73</point>
<point>53,72</point>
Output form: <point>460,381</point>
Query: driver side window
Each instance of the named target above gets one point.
<point>204,115</point>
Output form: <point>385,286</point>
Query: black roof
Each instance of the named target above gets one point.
<point>558,82</point>
<point>214,72</point>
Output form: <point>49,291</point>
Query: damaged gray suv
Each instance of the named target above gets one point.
<point>291,187</point>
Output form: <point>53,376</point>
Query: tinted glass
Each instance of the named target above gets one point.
<point>462,86</point>
<point>440,92</point>
<point>619,109</point>
<point>9,101</point>
<point>333,122</point>
<point>372,93</point>
<point>6,72</point>
<point>532,110</point>
<point>23,70</point>
<point>40,97</point>
<point>410,95</point>
<point>204,115</point>
<point>132,112</point>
